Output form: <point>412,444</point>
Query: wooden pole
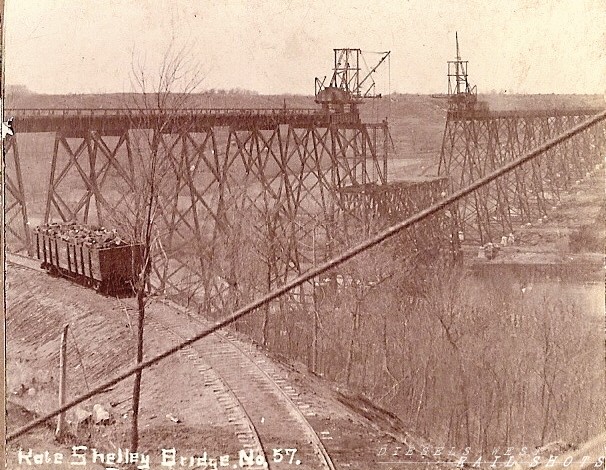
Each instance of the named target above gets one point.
<point>62,382</point>
<point>314,347</point>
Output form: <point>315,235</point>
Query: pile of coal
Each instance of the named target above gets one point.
<point>88,235</point>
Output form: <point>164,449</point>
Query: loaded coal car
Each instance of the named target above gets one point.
<point>92,256</point>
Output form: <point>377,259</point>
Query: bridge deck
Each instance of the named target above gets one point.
<point>521,113</point>
<point>114,121</point>
<point>110,121</point>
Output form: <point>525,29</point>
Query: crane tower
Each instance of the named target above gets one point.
<point>461,95</point>
<point>350,83</point>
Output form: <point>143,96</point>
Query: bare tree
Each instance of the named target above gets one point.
<point>157,118</point>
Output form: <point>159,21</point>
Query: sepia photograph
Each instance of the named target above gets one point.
<point>289,234</point>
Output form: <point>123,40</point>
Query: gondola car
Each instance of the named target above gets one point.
<point>91,256</point>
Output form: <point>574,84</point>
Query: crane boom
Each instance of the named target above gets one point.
<point>385,55</point>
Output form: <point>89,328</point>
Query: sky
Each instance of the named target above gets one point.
<point>280,46</point>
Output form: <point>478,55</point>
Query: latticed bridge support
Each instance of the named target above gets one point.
<point>15,209</point>
<point>243,200</point>
<point>477,142</point>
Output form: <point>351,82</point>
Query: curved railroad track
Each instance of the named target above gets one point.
<point>268,414</point>
<point>252,380</point>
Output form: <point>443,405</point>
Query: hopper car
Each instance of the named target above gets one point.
<point>110,268</point>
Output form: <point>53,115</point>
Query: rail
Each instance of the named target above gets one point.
<point>226,343</point>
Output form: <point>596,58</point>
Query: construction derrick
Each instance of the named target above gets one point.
<point>462,96</point>
<point>351,82</point>
<point>477,140</point>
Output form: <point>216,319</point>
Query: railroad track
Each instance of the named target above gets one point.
<point>268,414</point>
<point>245,430</point>
<point>271,407</point>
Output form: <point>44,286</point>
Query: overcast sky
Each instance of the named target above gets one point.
<point>279,46</point>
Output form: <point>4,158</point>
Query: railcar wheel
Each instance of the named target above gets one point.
<point>53,270</point>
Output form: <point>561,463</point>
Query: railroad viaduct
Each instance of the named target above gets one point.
<point>247,199</point>
<point>292,185</point>
<point>243,195</point>
<point>317,178</point>
<point>249,195</point>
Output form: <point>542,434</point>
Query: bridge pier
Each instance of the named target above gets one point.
<point>15,210</point>
<point>478,142</point>
<point>80,166</point>
<point>254,206</point>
